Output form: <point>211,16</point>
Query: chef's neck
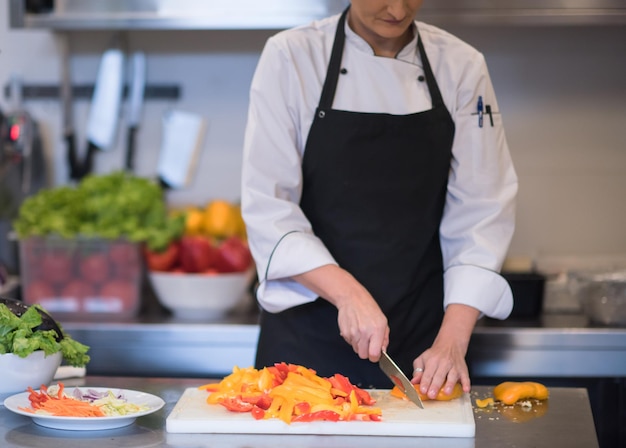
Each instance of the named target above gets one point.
<point>384,43</point>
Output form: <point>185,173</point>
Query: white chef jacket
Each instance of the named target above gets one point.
<point>479,213</point>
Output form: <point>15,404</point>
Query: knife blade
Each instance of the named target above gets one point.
<point>106,101</point>
<point>391,369</point>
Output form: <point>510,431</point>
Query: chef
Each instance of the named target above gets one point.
<point>378,194</point>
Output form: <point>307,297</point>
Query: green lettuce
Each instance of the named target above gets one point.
<point>109,206</point>
<point>18,335</point>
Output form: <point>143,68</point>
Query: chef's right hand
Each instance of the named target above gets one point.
<point>361,321</point>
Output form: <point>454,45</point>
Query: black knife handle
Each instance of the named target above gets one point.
<point>72,157</point>
<point>130,148</point>
<point>87,164</point>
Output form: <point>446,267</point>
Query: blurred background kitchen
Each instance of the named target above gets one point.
<point>560,77</point>
<point>558,67</point>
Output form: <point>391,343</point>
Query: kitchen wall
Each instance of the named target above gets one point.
<point>561,90</point>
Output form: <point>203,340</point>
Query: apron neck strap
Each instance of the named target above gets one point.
<point>433,88</point>
<point>332,74</point>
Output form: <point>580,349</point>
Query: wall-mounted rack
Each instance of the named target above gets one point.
<point>85,91</point>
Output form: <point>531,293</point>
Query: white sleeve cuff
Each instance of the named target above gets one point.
<point>277,291</point>
<point>480,288</point>
<point>275,296</point>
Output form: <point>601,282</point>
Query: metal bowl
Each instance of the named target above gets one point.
<point>603,297</point>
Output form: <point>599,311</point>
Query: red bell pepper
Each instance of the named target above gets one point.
<point>236,404</point>
<point>318,415</point>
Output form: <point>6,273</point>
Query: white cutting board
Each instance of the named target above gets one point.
<point>453,418</point>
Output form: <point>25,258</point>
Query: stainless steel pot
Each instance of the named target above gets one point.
<point>602,296</point>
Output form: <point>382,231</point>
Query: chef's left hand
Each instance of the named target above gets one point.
<point>444,364</point>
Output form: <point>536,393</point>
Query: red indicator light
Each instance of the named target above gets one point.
<point>14,132</point>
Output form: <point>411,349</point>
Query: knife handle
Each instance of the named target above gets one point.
<point>87,165</point>
<point>130,148</point>
<point>72,157</point>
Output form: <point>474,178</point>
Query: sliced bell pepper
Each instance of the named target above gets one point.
<point>289,391</point>
<point>318,415</point>
<point>441,396</point>
<point>236,404</point>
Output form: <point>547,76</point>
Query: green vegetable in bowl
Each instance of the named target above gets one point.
<point>112,206</point>
<point>20,335</point>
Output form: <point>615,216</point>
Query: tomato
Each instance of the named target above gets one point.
<point>38,290</point>
<point>95,267</point>
<point>56,266</point>
<point>165,260</point>
<point>197,254</point>
<point>78,289</point>
<point>124,290</point>
<point>233,255</point>
<point>122,252</point>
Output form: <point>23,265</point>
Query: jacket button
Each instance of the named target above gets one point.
<point>420,78</point>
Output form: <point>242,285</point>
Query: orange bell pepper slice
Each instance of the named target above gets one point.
<point>441,396</point>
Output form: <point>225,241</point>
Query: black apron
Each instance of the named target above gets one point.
<point>374,188</point>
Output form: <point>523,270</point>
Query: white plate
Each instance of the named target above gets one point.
<point>153,403</point>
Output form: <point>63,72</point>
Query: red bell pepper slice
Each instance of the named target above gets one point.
<point>257,413</point>
<point>236,404</point>
<point>318,415</point>
<point>262,401</point>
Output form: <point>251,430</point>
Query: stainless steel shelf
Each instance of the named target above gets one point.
<point>69,15</point>
<point>85,15</point>
<point>562,346</point>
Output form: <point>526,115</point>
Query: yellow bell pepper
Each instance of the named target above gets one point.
<point>288,392</point>
<point>510,392</point>
<point>221,219</point>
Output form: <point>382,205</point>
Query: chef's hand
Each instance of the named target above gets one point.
<point>361,322</point>
<point>444,363</point>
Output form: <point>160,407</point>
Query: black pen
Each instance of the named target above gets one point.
<point>488,112</point>
<point>479,108</point>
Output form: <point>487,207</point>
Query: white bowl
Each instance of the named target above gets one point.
<point>201,296</point>
<point>17,374</point>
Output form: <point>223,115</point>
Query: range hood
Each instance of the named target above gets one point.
<point>280,14</point>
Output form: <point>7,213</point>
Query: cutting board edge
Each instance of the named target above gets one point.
<point>464,429</point>
<point>327,428</point>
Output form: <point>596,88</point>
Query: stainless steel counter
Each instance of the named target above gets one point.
<point>552,346</point>
<point>567,422</point>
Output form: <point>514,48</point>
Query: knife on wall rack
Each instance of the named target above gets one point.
<point>136,96</point>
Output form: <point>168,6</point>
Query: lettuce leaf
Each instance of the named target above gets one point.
<point>18,335</point>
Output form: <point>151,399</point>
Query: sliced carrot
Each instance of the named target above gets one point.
<point>60,406</point>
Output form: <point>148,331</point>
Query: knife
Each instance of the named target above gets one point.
<point>103,114</point>
<point>137,87</point>
<point>394,373</point>
<point>67,99</point>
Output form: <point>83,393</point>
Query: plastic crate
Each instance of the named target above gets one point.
<point>82,278</point>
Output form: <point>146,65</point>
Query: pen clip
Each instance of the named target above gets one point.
<point>479,109</point>
<point>488,112</point>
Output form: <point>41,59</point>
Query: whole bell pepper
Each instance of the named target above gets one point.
<point>510,392</point>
